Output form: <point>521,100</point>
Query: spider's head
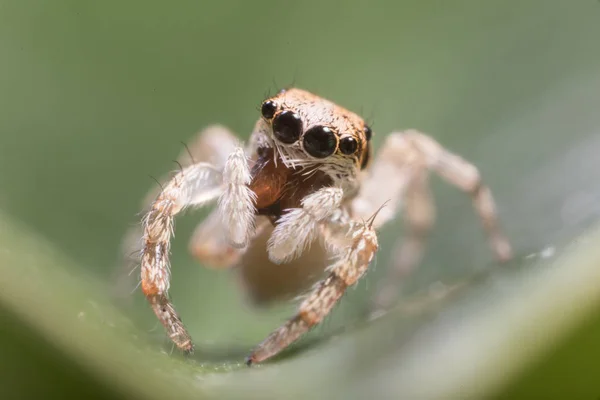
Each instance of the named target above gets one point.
<point>308,130</point>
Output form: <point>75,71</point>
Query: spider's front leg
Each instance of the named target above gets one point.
<point>352,263</point>
<point>297,228</point>
<point>195,185</point>
<point>212,145</point>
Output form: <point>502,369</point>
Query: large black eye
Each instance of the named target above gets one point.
<point>368,132</point>
<point>319,141</point>
<point>268,109</point>
<point>287,127</point>
<point>348,145</point>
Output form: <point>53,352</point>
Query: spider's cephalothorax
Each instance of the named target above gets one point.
<point>303,192</point>
<point>301,144</point>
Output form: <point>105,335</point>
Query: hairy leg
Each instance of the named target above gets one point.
<point>408,157</point>
<point>209,243</point>
<point>386,180</point>
<point>213,145</point>
<point>237,202</point>
<point>419,215</point>
<point>264,282</point>
<point>210,246</point>
<point>195,185</point>
<point>464,175</point>
<point>351,264</point>
<point>297,228</point>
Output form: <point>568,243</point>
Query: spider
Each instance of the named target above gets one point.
<point>305,191</point>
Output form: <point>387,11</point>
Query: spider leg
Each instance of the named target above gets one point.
<point>351,264</point>
<point>212,144</point>
<point>464,175</point>
<point>195,185</point>
<point>297,228</point>
<point>264,282</point>
<point>419,215</point>
<point>409,189</point>
<point>417,153</point>
<point>209,243</point>
<point>210,246</point>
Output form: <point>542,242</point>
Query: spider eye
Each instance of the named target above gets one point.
<point>348,145</point>
<point>268,109</point>
<point>287,127</point>
<point>368,132</point>
<point>319,141</point>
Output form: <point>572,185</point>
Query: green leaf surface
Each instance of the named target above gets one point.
<point>96,96</point>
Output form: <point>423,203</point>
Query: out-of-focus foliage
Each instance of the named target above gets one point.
<point>97,96</point>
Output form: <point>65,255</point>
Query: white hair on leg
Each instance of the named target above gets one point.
<point>193,186</point>
<point>350,266</point>
<point>236,203</point>
<point>297,228</point>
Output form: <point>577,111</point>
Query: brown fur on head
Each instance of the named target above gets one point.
<point>311,132</point>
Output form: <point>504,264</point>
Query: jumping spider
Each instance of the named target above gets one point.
<point>306,176</point>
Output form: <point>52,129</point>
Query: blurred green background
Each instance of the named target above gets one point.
<point>96,98</point>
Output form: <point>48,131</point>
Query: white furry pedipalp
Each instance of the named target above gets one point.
<point>297,228</point>
<point>236,203</point>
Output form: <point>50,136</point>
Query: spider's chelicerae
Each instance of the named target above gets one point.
<point>306,177</point>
